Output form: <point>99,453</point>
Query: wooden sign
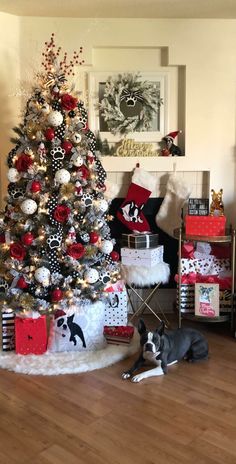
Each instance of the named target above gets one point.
<point>129,147</point>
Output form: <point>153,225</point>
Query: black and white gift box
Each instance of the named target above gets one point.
<point>140,240</point>
<point>144,257</point>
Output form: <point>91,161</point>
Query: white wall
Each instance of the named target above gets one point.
<point>205,47</point>
<point>9,82</point>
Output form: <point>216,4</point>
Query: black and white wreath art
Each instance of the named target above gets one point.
<point>127,91</point>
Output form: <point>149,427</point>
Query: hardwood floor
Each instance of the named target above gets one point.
<point>188,416</point>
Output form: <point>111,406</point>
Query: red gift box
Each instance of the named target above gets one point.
<point>31,335</point>
<point>118,334</point>
<point>205,225</point>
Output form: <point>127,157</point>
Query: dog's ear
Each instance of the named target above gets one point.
<point>70,319</point>
<point>141,327</point>
<point>161,328</point>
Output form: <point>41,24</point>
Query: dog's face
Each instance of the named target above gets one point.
<point>205,294</point>
<point>131,212</point>
<point>150,341</point>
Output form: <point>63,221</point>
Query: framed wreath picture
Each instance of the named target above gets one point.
<point>131,105</point>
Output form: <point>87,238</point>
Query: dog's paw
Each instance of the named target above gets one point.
<point>125,375</point>
<point>137,378</point>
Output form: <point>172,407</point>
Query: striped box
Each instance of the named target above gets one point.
<point>8,329</point>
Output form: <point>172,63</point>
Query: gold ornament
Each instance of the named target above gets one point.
<point>27,301</point>
<point>67,190</point>
<point>31,130</point>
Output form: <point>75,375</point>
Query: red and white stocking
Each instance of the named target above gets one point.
<point>130,212</point>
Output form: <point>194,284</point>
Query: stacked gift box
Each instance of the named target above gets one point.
<point>188,297</point>
<point>120,335</point>
<point>207,264</point>
<point>141,250</point>
<point>205,225</point>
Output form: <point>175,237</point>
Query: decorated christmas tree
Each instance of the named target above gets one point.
<point>56,249</point>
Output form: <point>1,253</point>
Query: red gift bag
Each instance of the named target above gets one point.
<point>31,335</point>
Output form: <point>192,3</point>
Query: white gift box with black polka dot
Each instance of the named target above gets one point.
<point>142,257</point>
<point>116,308</point>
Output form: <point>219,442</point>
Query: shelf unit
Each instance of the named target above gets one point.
<point>229,238</point>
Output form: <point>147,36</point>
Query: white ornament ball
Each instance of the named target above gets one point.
<point>28,206</point>
<point>91,276</point>
<point>62,176</point>
<point>102,205</point>
<point>76,138</point>
<point>77,161</point>
<point>42,275</point>
<point>55,118</point>
<point>106,247</point>
<point>13,175</point>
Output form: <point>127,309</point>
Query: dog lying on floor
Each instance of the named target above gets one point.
<point>166,348</point>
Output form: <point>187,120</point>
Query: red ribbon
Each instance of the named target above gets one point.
<point>192,278</point>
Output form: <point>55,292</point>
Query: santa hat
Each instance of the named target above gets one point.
<point>172,135</point>
<point>59,313</point>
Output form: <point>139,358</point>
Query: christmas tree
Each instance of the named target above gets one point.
<point>56,248</point>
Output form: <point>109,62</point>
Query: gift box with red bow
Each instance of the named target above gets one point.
<point>30,335</point>
<point>117,335</point>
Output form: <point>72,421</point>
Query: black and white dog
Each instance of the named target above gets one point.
<point>164,349</point>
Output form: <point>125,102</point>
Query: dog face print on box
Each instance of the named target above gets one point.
<point>70,330</point>
<point>79,328</point>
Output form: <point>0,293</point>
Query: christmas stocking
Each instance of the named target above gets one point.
<point>168,217</point>
<point>130,212</point>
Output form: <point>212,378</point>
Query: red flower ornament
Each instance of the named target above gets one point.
<point>61,213</point>
<point>17,251</point>
<point>23,163</point>
<point>68,102</point>
<point>75,250</point>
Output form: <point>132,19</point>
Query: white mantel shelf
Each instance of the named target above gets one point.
<point>154,164</point>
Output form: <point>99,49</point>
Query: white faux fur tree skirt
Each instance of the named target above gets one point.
<point>72,362</point>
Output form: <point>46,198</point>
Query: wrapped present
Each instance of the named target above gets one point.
<point>198,206</point>
<point>225,300</point>
<point>187,250</point>
<point>142,257</point>
<point>116,308</point>
<point>77,328</point>
<point>147,240</point>
<point>205,225</point>
<point>31,334</point>
<point>204,248</point>
<point>8,329</point>
<point>118,335</point>
<point>207,300</point>
<point>187,297</point>
<point>201,266</point>
<point>220,265</point>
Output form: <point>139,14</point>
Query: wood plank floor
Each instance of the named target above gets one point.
<point>188,416</point>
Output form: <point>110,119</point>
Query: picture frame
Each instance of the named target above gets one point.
<point>96,85</point>
<point>207,300</point>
